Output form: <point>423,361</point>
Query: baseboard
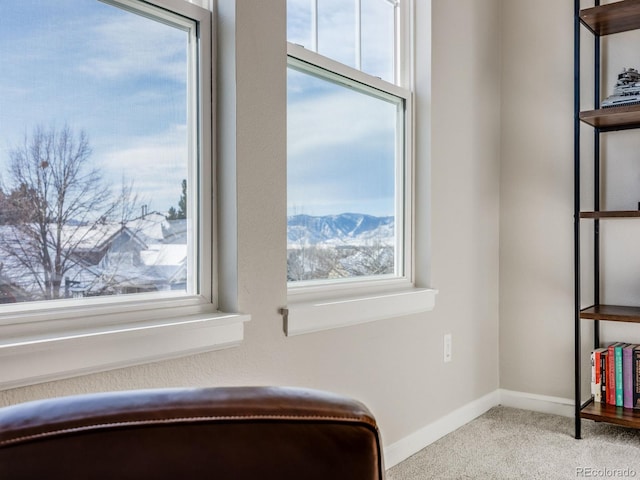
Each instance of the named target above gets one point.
<point>537,403</point>
<point>411,444</point>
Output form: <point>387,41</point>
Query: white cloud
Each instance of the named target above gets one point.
<point>156,164</point>
<point>127,44</point>
<point>338,118</point>
<point>341,149</point>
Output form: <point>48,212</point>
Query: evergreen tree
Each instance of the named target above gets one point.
<point>181,212</point>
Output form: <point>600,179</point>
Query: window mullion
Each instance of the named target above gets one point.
<point>314,25</point>
<point>358,33</point>
<point>398,25</point>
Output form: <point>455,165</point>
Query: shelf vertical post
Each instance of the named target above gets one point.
<point>596,184</point>
<point>576,217</point>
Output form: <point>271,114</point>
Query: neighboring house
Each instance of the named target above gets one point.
<point>9,292</point>
<point>143,255</point>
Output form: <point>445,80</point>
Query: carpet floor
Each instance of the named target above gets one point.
<point>508,443</point>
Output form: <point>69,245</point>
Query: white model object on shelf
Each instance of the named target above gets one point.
<point>626,91</point>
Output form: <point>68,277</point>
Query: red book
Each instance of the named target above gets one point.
<point>597,374</point>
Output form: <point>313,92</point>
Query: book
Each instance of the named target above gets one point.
<point>603,375</point>
<point>618,366</point>
<point>627,376</point>
<point>596,374</point>
<point>593,374</point>
<point>611,374</point>
<point>636,377</point>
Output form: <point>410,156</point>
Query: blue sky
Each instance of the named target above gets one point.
<point>118,76</point>
<point>341,143</point>
<point>122,79</point>
<point>341,149</point>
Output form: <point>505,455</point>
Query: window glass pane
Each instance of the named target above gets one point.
<point>337,30</point>
<point>299,23</point>
<point>371,49</point>
<point>341,180</point>
<point>94,151</point>
<point>378,38</point>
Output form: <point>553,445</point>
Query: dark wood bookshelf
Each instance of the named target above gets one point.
<point>601,412</point>
<point>611,214</point>
<point>612,18</point>
<point>601,20</point>
<point>626,116</point>
<point>612,313</point>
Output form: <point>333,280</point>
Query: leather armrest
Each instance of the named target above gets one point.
<point>218,433</point>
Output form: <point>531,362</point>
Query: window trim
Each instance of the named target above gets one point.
<point>323,306</point>
<point>330,313</point>
<point>30,360</point>
<point>40,343</point>
<point>298,52</point>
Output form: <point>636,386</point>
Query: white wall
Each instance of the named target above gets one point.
<point>536,215</point>
<point>465,176</point>
<point>395,366</point>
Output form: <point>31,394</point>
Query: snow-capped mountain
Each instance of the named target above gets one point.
<point>342,229</point>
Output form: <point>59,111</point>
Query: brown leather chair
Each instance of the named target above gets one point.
<point>232,433</point>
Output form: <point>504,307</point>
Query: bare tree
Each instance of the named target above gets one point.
<point>376,258</point>
<point>65,197</point>
<point>322,262</point>
<point>12,207</point>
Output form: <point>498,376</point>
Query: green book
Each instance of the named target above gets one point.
<point>618,366</point>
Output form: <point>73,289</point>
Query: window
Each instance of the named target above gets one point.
<point>349,163</point>
<point>106,219</point>
<point>87,127</point>
<point>348,136</point>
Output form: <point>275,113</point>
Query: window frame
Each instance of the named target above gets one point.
<point>311,63</point>
<point>316,305</point>
<point>41,341</point>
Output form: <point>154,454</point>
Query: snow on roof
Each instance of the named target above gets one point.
<point>160,245</point>
<point>164,254</point>
<point>89,237</point>
<point>148,227</point>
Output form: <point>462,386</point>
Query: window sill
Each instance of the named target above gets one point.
<point>30,360</point>
<point>327,314</point>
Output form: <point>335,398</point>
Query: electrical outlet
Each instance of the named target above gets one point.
<point>447,347</point>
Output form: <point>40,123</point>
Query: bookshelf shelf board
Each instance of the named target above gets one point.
<point>626,116</point>
<point>611,214</point>
<point>612,18</point>
<point>600,412</point>
<point>615,313</point>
